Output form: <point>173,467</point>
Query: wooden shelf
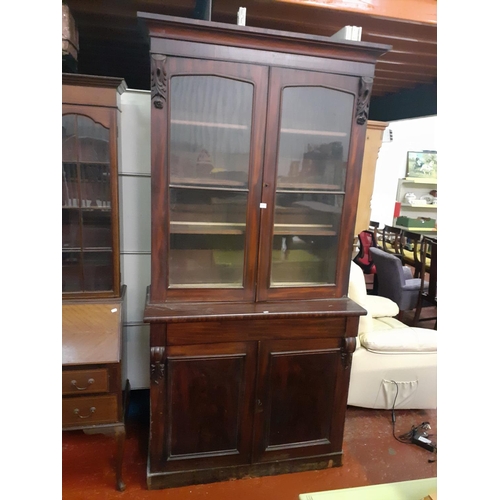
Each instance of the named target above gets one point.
<point>419,180</point>
<point>303,230</point>
<point>313,132</point>
<point>88,209</point>
<point>185,227</point>
<point>234,126</point>
<point>86,250</point>
<point>206,183</point>
<point>409,205</point>
<point>295,185</point>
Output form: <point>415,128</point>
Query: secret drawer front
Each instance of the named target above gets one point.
<point>85,381</point>
<point>89,411</point>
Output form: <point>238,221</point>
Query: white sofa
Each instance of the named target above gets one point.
<point>392,363</point>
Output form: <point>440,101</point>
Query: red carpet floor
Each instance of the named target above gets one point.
<point>371,456</point>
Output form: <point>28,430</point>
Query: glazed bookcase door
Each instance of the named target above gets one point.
<point>208,157</point>
<point>88,194</point>
<point>309,184</point>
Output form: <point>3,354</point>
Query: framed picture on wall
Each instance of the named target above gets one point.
<point>422,164</point>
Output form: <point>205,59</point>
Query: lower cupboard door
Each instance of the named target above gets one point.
<point>301,393</point>
<point>204,418</point>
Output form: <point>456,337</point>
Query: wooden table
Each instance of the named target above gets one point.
<point>92,390</point>
<point>424,231</point>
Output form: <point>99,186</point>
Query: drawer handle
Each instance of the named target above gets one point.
<point>89,382</point>
<point>76,411</point>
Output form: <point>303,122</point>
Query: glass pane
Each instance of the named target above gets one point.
<point>70,188</point>
<point>207,237</point>
<point>69,140</point>
<point>71,229</point>
<point>93,141</point>
<point>98,271</point>
<point>95,185</point>
<point>209,166</point>
<point>71,272</point>
<point>305,238</point>
<point>96,229</point>
<point>312,159</point>
<point>210,130</point>
<point>314,138</point>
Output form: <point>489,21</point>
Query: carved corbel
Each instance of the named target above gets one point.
<point>158,80</point>
<point>349,346</point>
<point>362,105</point>
<point>157,364</point>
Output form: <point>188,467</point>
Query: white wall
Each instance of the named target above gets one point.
<point>414,134</point>
<point>134,177</point>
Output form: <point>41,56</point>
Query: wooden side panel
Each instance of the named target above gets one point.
<point>298,412</point>
<point>373,142</point>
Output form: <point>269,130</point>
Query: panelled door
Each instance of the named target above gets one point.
<point>207,413</point>
<point>298,409</point>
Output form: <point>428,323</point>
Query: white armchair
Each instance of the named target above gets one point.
<point>391,359</point>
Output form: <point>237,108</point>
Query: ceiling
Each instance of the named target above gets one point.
<point>111,43</point>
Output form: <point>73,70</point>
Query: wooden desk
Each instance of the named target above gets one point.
<point>92,390</point>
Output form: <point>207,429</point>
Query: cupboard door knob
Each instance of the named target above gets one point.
<point>259,406</point>
<point>90,381</point>
<point>76,411</point>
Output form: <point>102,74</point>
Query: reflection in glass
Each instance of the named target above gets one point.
<point>70,185</point>
<point>69,138</point>
<point>207,242</point>
<point>93,141</point>
<point>71,272</point>
<point>71,230</point>
<point>95,185</point>
<point>98,271</point>
<point>314,138</point>
<point>86,203</point>
<point>210,132</point>
<point>96,229</point>
<point>312,158</point>
<point>306,227</point>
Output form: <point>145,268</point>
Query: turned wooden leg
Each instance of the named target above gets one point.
<point>120,447</point>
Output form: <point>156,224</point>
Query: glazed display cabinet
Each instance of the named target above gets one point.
<point>257,148</point>
<point>94,391</point>
<point>90,231</point>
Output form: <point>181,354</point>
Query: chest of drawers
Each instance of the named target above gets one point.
<point>93,392</point>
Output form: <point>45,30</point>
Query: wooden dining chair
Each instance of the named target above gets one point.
<point>427,297</point>
<point>410,248</point>
<point>391,241</point>
<point>374,227</point>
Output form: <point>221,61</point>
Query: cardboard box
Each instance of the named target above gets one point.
<point>419,222</point>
